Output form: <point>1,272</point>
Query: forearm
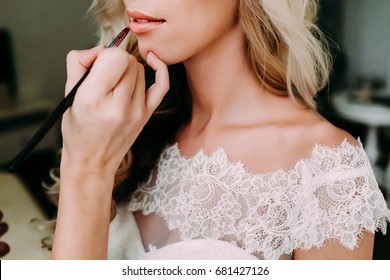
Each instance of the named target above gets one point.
<point>83,217</point>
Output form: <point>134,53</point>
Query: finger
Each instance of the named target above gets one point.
<point>126,87</point>
<point>138,97</point>
<point>108,70</point>
<point>157,91</point>
<point>77,64</point>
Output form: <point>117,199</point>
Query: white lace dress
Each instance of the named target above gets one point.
<point>208,207</point>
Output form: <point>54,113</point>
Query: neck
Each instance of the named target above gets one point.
<point>220,79</point>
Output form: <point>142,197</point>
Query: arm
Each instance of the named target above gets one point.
<point>83,217</point>
<point>109,111</point>
<point>333,250</point>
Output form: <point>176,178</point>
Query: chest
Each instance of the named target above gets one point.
<point>267,215</point>
<point>216,199</point>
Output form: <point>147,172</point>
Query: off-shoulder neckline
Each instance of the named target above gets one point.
<point>221,152</point>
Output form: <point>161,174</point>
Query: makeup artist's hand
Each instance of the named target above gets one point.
<point>110,108</point>
<point>109,111</point>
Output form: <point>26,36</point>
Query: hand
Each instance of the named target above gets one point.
<point>4,248</point>
<point>110,108</point>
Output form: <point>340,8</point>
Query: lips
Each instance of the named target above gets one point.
<point>142,22</point>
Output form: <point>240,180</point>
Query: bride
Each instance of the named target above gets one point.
<point>201,140</point>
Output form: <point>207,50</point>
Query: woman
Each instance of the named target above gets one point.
<point>234,163</point>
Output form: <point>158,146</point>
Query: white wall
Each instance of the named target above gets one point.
<point>43,32</point>
<point>367,38</point>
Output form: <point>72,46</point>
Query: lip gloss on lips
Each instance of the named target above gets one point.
<point>142,23</point>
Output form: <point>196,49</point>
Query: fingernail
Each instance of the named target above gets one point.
<point>151,53</point>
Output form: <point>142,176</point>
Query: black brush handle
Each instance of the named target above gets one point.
<point>57,112</point>
<point>47,125</point>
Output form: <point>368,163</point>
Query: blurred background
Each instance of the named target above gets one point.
<point>36,35</point>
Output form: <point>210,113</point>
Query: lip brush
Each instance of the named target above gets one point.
<point>58,111</point>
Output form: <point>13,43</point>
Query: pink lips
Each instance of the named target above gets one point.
<point>142,23</point>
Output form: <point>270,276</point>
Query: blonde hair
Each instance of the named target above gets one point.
<point>285,48</point>
<point>111,18</point>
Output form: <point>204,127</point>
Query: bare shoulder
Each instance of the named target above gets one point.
<point>285,140</point>
<point>328,134</point>
<point>321,131</point>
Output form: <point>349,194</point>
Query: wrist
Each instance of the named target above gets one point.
<point>86,184</point>
<point>85,169</point>
<point>82,165</point>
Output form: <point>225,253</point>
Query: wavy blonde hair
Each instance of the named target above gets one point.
<point>285,48</point>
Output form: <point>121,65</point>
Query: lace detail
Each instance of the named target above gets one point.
<point>333,194</point>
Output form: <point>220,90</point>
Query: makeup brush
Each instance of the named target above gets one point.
<point>57,113</point>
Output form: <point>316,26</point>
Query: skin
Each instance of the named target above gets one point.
<point>111,108</point>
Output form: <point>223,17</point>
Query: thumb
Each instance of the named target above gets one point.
<point>77,63</point>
